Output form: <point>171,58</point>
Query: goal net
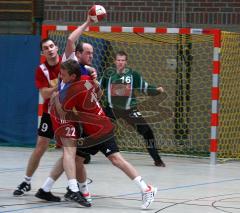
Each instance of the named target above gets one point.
<point>229,122</point>
<point>185,62</point>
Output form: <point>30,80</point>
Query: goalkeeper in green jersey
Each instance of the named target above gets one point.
<point>119,85</point>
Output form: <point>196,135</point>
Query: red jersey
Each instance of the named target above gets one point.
<point>81,97</point>
<point>47,76</point>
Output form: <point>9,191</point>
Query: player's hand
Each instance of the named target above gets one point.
<point>160,89</point>
<point>92,71</point>
<point>89,21</point>
<point>55,93</point>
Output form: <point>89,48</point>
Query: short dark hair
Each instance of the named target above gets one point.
<point>79,47</point>
<point>45,40</point>
<point>72,67</point>
<point>121,53</point>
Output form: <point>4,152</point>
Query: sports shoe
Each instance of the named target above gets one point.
<point>148,196</point>
<point>48,196</point>
<point>87,196</point>
<point>159,163</point>
<point>76,197</point>
<point>22,188</point>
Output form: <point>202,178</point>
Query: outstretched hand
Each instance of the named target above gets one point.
<point>88,18</point>
<point>160,89</point>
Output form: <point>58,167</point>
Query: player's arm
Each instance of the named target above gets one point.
<point>73,37</point>
<point>153,90</point>
<point>43,85</point>
<point>144,87</point>
<point>98,91</point>
<point>47,92</point>
<point>93,74</point>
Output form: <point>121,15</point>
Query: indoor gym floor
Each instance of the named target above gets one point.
<point>186,185</point>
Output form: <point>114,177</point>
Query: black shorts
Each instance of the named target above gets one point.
<point>107,148</point>
<point>45,129</point>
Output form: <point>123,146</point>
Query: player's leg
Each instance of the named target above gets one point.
<point>148,191</point>
<point>114,115</point>
<point>82,178</point>
<point>45,134</point>
<point>87,159</point>
<point>147,133</point>
<point>118,161</point>
<point>44,192</point>
<point>34,160</point>
<point>69,165</point>
<point>111,151</point>
<point>135,118</point>
<point>81,174</point>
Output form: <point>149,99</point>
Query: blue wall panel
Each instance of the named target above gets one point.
<point>19,57</point>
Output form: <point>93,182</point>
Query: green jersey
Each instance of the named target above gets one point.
<point>120,88</point>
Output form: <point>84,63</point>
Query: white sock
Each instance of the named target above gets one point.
<point>27,179</point>
<point>48,184</point>
<point>72,183</point>
<point>141,184</point>
<point>83,187</point>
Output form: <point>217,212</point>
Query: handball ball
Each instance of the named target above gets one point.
<point>97,13</point>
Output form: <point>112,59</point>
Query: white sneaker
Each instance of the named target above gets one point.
<point>87,196</point>
<point>148,196</point>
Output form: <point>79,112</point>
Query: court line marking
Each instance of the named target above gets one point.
<point>121,195</point>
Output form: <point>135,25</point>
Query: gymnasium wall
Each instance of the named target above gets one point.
<point>18,95</point>
<point>224,14</point>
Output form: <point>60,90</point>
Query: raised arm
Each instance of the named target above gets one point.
<point>73,37</point>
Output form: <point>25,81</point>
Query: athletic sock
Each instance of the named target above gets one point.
<point>48,184</point>
<point>83,187</point>
<point>72,183</point>
<point>27,179</point>
<point>141,183</point>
